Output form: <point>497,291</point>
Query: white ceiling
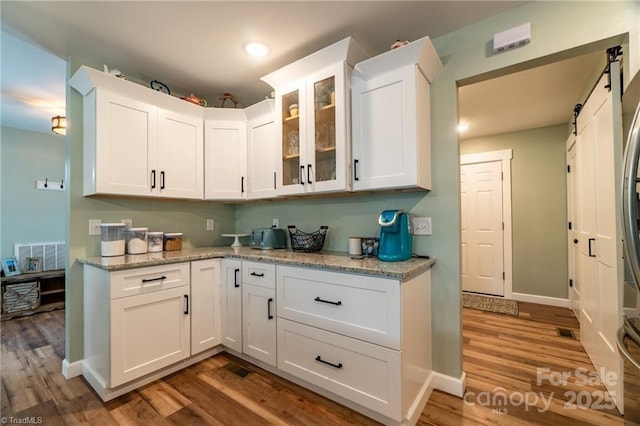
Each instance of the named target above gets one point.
<point>197,47</point>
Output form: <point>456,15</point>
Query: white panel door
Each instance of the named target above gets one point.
<point>572,236</point>
<point>259,322</point>
<point>148,332</point>
<point>226,160</point>
<point>600,141</point>
<point>232,304</point>
<point>263,158</point>
<point>126,132</point>
<point>205,305</point>
<point>481,228</point>
<point>180,150</point>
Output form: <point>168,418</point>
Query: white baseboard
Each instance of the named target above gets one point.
<point>542,300</point>
<point>451,385</point>
<point>70,370</point>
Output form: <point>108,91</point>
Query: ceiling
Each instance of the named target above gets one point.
<point>196,47</point>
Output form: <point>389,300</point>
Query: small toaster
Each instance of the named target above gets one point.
<point>268,239</point>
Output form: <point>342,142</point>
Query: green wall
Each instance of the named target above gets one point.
<point>30,215</point>
<point>466,55</point>
<point>539,206</point>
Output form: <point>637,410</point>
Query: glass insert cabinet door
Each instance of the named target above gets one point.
<point>291,139</point>
<point>324,148</point>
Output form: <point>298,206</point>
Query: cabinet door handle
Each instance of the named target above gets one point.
<point>274,180</point>
<point>269,316</point>
<point>257,274</point>
<point>308,173</point>
<point>148,280</point>
<point>301,175</point>
<point>575,241</point>
<point>235,278</point>
<point>153,179</point>
<point>186,304</point>
<point>242,185</point>
<point>591,254</point>
<point>338,303</point>
<point>338,365</point>
<point>355,169</point>
<point>162,179</point>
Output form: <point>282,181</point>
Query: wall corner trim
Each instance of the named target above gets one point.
<point>71,369</point>
<point>449,384</point>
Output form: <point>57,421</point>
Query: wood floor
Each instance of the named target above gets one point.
<point>501,356</point>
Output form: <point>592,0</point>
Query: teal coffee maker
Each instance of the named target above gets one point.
<point>396,241</point>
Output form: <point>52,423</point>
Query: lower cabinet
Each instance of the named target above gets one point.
<point>148,332</point>
<point>205,305</point>
<point>140,321</point>
<point>364,338</point>
<point>259,311</point>
<point>358,371</point>
<point>231,304</point>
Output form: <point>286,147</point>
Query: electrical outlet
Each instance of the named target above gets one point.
<point>275,222</point>
<point>94,226</point>
<point>421,225</point>
<point>127,222</point>
<point>210,224</point>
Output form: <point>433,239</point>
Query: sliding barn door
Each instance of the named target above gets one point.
<point>599,167</point>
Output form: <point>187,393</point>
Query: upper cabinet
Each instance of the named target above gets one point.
<point>137,141</point>
<point>391,135</point>
<point>262,141</point>
<point>225,154</point>
<point>311,120</point>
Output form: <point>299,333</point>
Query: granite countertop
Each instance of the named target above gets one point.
<point>340,262</point>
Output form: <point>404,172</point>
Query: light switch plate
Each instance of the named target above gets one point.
<point>127,222</point>
<point>94,226</point>
<point>421,225</point>
<point>210,224</point>
<point>275,222</point>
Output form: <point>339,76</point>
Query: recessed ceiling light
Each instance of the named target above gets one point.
<point>463,127</point>
<point>256,49</point>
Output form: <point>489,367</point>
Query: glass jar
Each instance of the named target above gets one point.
<point>172,241</point>
<point>112,239</point>
<point>154,241</point>
<point>137,240</point>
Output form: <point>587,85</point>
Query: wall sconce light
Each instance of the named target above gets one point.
<point>59,125</point>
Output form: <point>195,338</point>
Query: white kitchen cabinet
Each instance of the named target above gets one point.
<point>225,149</point>
<point>205,305</point>
<point>312,120</point>
<point>135,322</point>
<point>137,141</point>
<point>231,300</point>
<point>259,311</point>
<point>262,150</point>
<point>364,338</point>
<point>391,135</point>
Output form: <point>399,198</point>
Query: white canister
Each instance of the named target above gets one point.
<point>137,240</point>
<point>112,239</point>
<point>355,246</point>
<point>154,241</point>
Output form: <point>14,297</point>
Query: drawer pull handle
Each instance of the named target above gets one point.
<point>148,280</point>
<point>338,365</point>
<point>257,274</point>
<point>269,316</point>
<point>235,278</point>
<point>186,304</point>
<point>338,303</point>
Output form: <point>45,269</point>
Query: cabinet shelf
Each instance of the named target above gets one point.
<point>291,156</point>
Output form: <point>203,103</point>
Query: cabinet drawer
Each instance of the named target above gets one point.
<point>258,273</point>
<point>145,280</point>
<point>364,373</point>
<point>364,307</point>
